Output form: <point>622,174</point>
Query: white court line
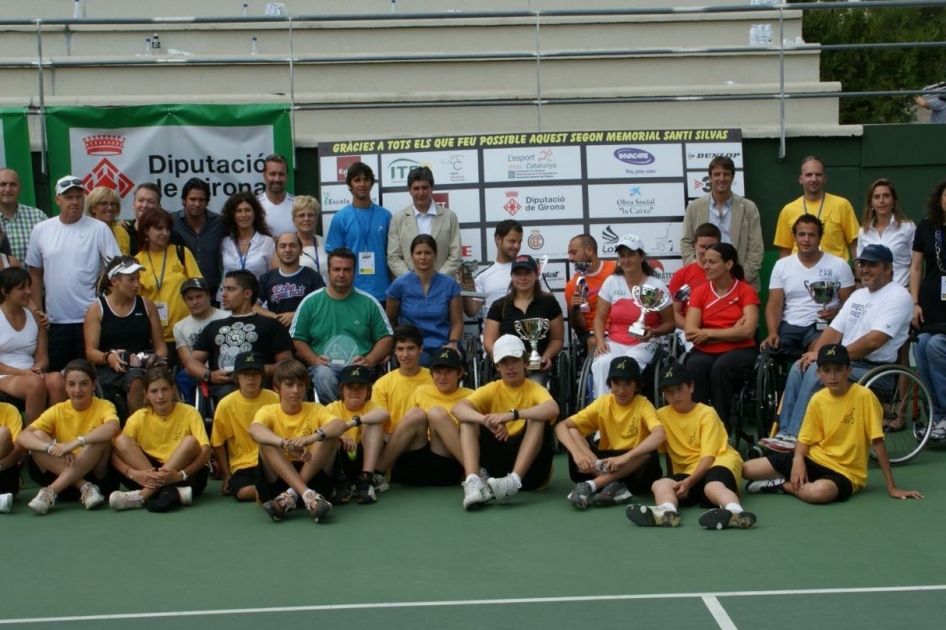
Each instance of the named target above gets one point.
<point>719,613</point>
<point>475,602</point>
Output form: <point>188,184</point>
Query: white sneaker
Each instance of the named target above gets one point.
<point>44,500</point>
<point>475,493</point>
<point>766,486</point>
<point>504,487</point>
<point>126,500</point>
<point>938,431</point>
<point>90,496</point>
<point>6,503</point>
<point>187,494</point>
<point>380,482</point>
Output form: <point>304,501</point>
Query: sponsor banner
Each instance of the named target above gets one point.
<point>698,184</point>
<point>634,161</point>
<point>334,198</point>
<point>636,200</point>
<point>699,155</point>
<point>532,164</point>
<point>660,239</point>
<point>448,167</point>
<point>465,202</point>
<point>550,240</point>
<point>553,276</point>
<point>534,203</point>
<point>15,150</point>
<point>471,247</point>
<point>333,169</point>
<point>664,268</point>
<point>121,147</point>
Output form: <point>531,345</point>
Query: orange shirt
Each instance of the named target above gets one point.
<point>594,283</point>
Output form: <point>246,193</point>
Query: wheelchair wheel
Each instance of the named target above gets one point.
<point>584,393</point>
<point>903,396</point>
<point>662,359</point>
<point>767,395</point>
<point>560,384</point>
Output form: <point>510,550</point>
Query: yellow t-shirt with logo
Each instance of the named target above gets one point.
<point>497,397</point>
<point>122,238</point>
<point>837,214</point>
<point>232,418</point>
<point>338,409</point>
<point>395,392</point>
<point>428,396</point>
<point>159,437</point>
<point>312,417</point>
<point>622,427</point>
<point>840,429</point>
<point>695,435</point>
<point>174,275</point>
<point>64,423</point>
<point>10,418</point>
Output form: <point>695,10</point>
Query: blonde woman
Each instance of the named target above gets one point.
<point>105,205</point>
<point>306,212</point>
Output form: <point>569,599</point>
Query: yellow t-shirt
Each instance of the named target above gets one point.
<point>159,437</point>
<point>174,275</point>
<point>622,427</point>
<point>338,409</point>
<point>395,392</point>
<point>312,417</point>
<point>497,397</point>
<point>695,435</point>
<point>121,236</point>
<point>63,423</point>
<point>428,396</point>
<point>839,431</point>
<point>232,418</point>
<point>840,224</point>
<point>10,418</point>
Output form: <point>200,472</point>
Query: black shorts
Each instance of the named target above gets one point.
<point>782,463</point>
<point>10,480</point>
<point>638,482</point>
<point>44,478</point>
<point>697,495</point>
<point>268,490</point>
<point>499,458</point>
<point>109,378</point>
<point>197,481</point>
<point>423,467</point>
<point>242,478</point>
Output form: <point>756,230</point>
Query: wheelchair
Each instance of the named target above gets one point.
<point>757,405</point>
<point>903,396</point>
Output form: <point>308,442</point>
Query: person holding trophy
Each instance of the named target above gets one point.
<point>721,322</point>
<point>634,308</point>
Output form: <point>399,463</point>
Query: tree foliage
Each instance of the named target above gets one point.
<point>874,70</point>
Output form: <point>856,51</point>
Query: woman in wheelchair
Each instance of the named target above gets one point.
<point>620,311</point>
<point>123,333</point>
<point>23,358</point>
<point>721,322</point>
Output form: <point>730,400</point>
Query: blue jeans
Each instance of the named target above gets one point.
<point>325,380</point>
<point>930,354</point>
<point>799,389</point>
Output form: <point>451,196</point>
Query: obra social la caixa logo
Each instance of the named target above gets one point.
<point>105,173</point>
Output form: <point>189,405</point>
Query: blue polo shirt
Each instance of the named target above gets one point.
<point>364,230</point>
<point>431,312</point>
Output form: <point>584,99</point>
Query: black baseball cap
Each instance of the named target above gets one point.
<point>248,361</point>
<point>674,374</point>
<point>876,253</point>
<point>356,374</point>
<point>833,353</point>
<point>624,368</point>
<point>195,283</point>
<point>446,357</point>
<point>524,262</point>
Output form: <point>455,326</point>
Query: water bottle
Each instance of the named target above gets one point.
<point>78,9</point>
<point>253,49</point>
<point>393,6</point>
<point>246,9</point>
<point>148,46</point>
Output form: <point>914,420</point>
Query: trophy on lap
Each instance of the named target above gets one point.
<point>823,292</point>
<point>465,275</point>
<point>581,285</point>
<point>532,330</point>
<point>650,300</point>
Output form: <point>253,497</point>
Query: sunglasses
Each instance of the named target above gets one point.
<point>126,263</point>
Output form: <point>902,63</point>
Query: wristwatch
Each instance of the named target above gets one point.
<point>356,420</point>
<point>321,434</point>
<point>206,377</point>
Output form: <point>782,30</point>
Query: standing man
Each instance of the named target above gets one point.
<point>200,230</point>
<point>424,217</point>
<point>836,213</point>
<point>17,219</point>
<point>362,226</point>
<point>275,200</point>
<point>493,282</point>
<point>736,217</point>
<point>65,256</point>
<point>583,254</point>
<point>147,197</point>
<point>282,289</point>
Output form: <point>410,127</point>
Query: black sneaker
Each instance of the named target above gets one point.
<point>365,492</point>
<point>721,518</point>
<point>342,492</point>
<point>166,498</point>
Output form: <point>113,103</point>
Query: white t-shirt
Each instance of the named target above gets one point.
<point>493,282</point>
<point>188,329</point>
<point>792,277</point>
<point>887,310</point>
<point>278,217</point>
<point>71,256</point>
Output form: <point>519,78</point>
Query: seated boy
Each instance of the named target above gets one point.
<point>415,460</point>
<point>517,443</point>
<point>235,451</point>
<point>703,468</point>
<point>298,441</point>
<point>364,443</point>
<point>11,423</point>
<point>626,455</point>
<point>841,424</point>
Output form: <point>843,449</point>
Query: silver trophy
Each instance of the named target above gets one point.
<point>683,294</point>
<point>532,330</point>
<point>649,299</point>
<point>823,292</point>
<point>465,275</point>
<point>581,285</point>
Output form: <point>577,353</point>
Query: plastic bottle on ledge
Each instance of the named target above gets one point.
<point>246,9</point>
<point>253,49</point>
<point>393,6</point>
<point>78,9</point>
<point>147,46</point>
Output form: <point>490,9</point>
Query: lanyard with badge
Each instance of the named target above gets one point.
<point>366,262</point>
<point>804,205</point>
<point>243,257</point>
<point>938,246</point>
<point>315,258</point>
<point>158,283</point>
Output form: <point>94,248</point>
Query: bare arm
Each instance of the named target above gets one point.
<point>456,319</point>
<point>880,449</point>
<point>602,311</point>
<point>380,351</point>
<point>157,332</point>
<point>490,335</point>
<point>305,354</point>
<point>916,276</point>
<point>36,280</point>
<point>773,317</point>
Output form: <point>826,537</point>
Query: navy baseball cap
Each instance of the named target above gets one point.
<point>876,253</point>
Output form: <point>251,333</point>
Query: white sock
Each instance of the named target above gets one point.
<point>470,478</point>
<point>735,508</point>
<point>592,484</point>
<point>516,478</point>
<point>292,493</point>
<point>668,507</point>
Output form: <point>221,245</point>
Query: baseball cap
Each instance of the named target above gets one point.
<point>630,241</point>
<point>356,374</point>
<point>508,346</point>
<point>248,361</point>
<point>446,357</point>
<point>833,353</point>
<point>673,374</point>
<point>524,262</point>
<point>876,253</point>
<point>624,368</point>
<point>67,182</point>
<point>195,283</point>
<point>127,266</point>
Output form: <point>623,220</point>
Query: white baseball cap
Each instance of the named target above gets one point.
<point>67,182</point>
<point>630,241</point>
<point>508,346</point>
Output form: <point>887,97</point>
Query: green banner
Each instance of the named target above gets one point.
<point>15,150</point>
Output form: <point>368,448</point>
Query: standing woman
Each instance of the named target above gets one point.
<point>71,444</point>
<point>927,284</point>
<point>249,244</point>
<point>526,299</point>
<point>616,308</point>
<point>428,299</point>
<point>305,216</point>
<point>721,321</point>
<point>166,270</point>
<point>119,325</point>
<point>23,356</point>
<point>885,224</point>
<point>104,204</point>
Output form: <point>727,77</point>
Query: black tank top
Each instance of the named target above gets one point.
<point>131,332</point>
